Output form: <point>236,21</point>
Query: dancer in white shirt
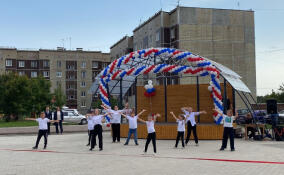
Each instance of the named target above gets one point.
<point>150,123</point>
<point>191,124</point>
<point>180,129</point>
<point>132,120</point>
<point>42,128</point>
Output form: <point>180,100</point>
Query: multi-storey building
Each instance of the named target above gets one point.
<point>73,70</point>
<point>222,35</point>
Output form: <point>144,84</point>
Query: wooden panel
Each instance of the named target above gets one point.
<point>169,131</point>
<point>179,96</point>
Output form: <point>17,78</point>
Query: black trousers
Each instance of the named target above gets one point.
<point>189,128</point>
<point>115,132</point>
<point>180,135</point>
<point>228,131</point>
<point>48,128</point>
<point>252,130</point>
<point>60,126</point>
<point>98,131</point>
<point>39,135</point>
<point>90,134</point>
<point>151,136</point>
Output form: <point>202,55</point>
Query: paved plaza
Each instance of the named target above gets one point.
<point>67,154</point>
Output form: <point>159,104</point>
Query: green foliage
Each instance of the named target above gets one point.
<point>279,96</point>
<point>23,96</point>
<point>58,97</point>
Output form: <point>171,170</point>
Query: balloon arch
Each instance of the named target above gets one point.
<point>202,67</point>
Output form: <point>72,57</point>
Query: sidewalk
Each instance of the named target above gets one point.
<point>34,129</point>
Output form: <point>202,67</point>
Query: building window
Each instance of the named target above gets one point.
<point>21,63</point>
<point>21,73</point>
<point>45,63</point>
<point>58,74</point>
<point>71,97</point>
<point>71,67</point>
<point>95,64</point>
<point>173,36</point>
<point>83,74</point>
<point>34,64</point>
<point>71,86</point>
<point>83,64</point>
<point>83,103</point>
<point>45,74</point>
<point>83,84</point>
<point>58,64</point>
<point>104,65</point>
<point>9,63</point>
<point>83,94</point>
<point>33,74</point>
<point>158,36</point>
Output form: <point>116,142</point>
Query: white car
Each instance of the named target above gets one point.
<point>74,117</point>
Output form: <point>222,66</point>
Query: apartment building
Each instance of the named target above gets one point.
<point>73,70</point>
<point>222,35</point>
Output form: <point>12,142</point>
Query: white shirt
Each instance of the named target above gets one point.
<point>132,121</point>
<point>58,115</point>
<point>42,123</point>
<point>90,123</point>
<point>116,116</point>
<point>150,126</point>
<point>191,117</point>
<point>97,119</point>
<point>228,121</point>
<point>127,111</point>
<point>181,125</point>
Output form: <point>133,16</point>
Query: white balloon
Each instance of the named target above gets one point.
<point>150,82</point>
<point>209,88</point>
<point>146,86</point>
<point>151,86</point>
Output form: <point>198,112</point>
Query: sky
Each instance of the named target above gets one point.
<point>97,24</point>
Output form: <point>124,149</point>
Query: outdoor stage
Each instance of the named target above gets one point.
<point>165,131</point>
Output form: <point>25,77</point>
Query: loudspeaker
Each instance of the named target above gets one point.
<point>271,106</point>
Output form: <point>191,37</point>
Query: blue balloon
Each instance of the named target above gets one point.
<point>149,90</point>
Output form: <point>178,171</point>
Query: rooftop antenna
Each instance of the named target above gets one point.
<point>178,1</point>
<point>161,5</point>
<point>63,40</point>
<point>238,5</point>
<point>70,39</point>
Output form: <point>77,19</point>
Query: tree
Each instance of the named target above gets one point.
<point>40,95</point>
<point>58,97</point>
<point>279,95</point>
<point>97,102</point>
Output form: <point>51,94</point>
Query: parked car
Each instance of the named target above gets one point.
<point>74,117</point>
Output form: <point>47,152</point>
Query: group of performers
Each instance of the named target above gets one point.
<point>95,120</point>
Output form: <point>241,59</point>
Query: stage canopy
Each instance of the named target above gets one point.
<point>114,86</point>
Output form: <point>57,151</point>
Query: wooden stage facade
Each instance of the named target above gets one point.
<point>178,96</point>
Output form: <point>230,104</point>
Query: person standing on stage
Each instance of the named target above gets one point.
<point>150,123</point>
<point>42,128</point>
<point>191,124</point>
<point>181,128</point>
<point>97,121</point>
<point>48,115</point>
<point>58,115</point>
<point>228,129</point>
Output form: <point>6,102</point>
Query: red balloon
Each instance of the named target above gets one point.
<point>108,125</point>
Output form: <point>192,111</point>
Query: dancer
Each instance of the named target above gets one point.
<point>90,127</point>
<point>58,115</point>
<point>181,128</point>
<point>97,120</point>
<point>48,115</point>
<point>42,128</point>
<point>115,122</point>
<point>191,124</point>
<point>132,120</point>
<point>228,129</point>
<point>151,131</point>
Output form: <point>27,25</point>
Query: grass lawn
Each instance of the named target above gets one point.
<point>23,123</point>
<point>19,123</point>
